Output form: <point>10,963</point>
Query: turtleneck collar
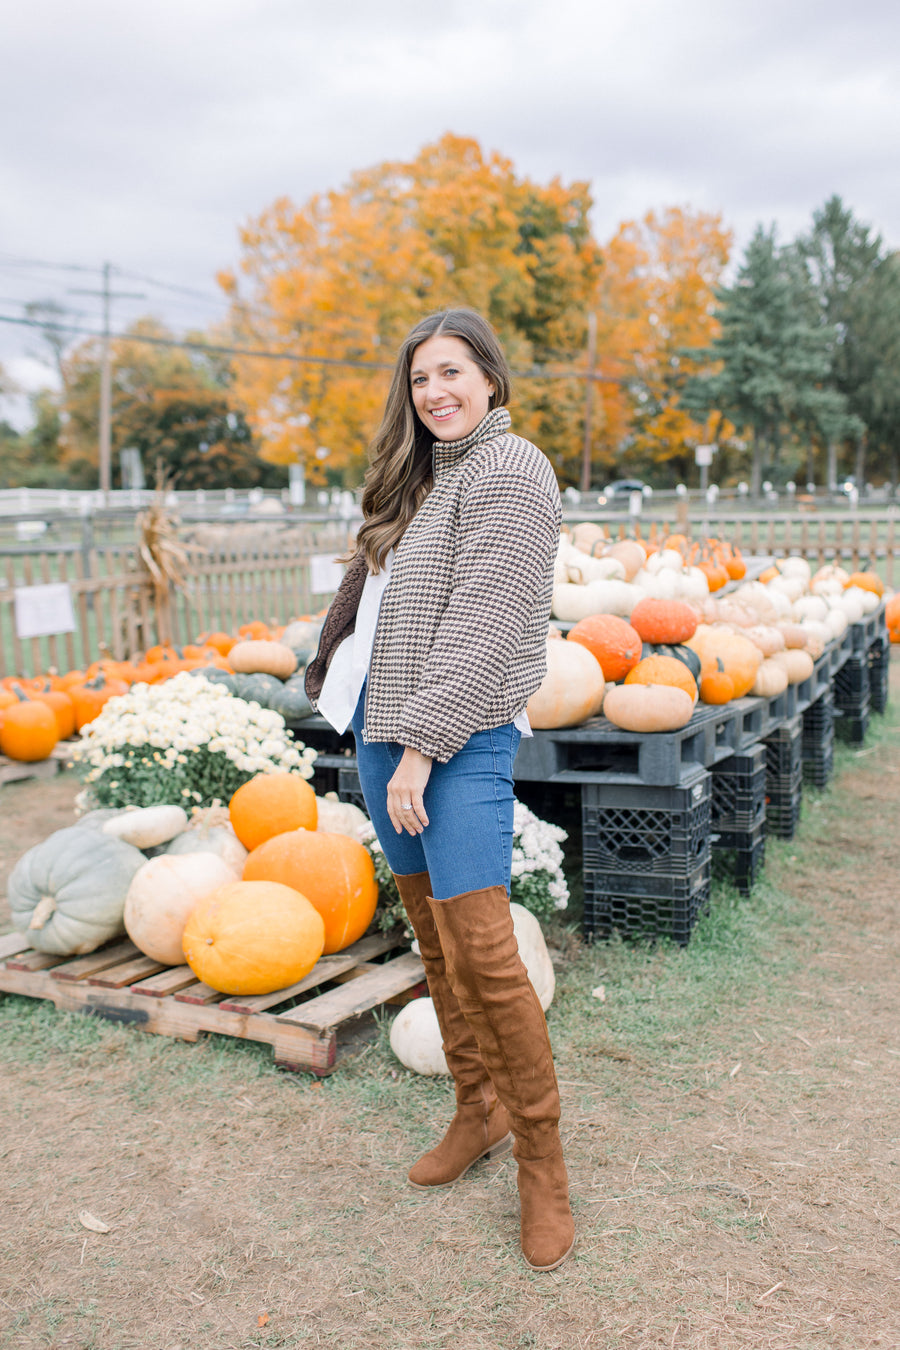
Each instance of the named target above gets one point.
<point>493,423</point>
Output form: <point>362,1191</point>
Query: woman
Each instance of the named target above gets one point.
<point>431,649</point>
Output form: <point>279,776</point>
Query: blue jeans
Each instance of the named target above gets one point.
<point>467,845</point>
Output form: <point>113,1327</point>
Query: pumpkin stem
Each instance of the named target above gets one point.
<point>42,911</point>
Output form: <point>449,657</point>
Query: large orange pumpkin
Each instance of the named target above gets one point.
<point>28,730</point>
<point>663,670</point>
<point>663,621</point>
<point>333,871</point>
<point>612,641</point>
<point>253,937</point>
<point>270,804</point>
<point>720,650</point>
<point>63,708</point>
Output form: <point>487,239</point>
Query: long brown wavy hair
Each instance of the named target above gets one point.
<point>400,466</point>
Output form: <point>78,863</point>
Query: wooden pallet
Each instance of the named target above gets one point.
<point>119,983</point>
<point>11,770</point>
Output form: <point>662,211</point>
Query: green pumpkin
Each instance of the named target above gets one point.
<point>257,688</point>
<point>685,655</point>
<point>216,675</point>
<point>67,894</point>
<point>292,702</point>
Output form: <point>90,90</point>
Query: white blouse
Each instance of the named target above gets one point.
<point>350,663</point>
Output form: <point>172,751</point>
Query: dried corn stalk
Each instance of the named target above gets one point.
<point>165,557</point>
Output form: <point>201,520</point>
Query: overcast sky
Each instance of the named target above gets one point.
<point>145,134</point>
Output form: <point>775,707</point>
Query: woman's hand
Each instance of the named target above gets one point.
<point>405,792</point>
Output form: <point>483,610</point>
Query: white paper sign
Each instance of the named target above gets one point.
<point>41,610</point>
<point>325,575</point>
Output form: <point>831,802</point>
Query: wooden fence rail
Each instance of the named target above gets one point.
<point>248,576</point>
<point>113,599</point>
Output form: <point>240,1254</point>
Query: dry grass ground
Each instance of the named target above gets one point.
<point>732,1115</point>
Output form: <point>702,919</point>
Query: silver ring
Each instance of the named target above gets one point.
<point>406,806</point>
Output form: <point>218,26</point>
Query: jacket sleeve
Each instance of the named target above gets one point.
<point>508,533</point>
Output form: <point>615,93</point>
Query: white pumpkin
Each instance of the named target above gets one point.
<point>337,817</point>
<point>218,839</point>
<point>832,572</point>
<point>868,599</point>
<point>792,587</point>
<point>582,568</point>
<point>416,1039</point>
<point>415,1034</point>
<point>810,607</point>
<point>163,893</point>
<point>571,603</point>
<point>836,622</point>
<point>849,601</point>
<point>827,586</point>
<point>694,585</point>
<point>665,557</point>
<point>533,951</point>
<point>796,567</point>
<point>572,689</point>
<point>613,597</point>
<point>147,826</point>
<point>662,585</point>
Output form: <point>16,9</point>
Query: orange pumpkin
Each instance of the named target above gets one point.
<point>333,871</point>
<point>253,938</point>
<point>867,581</point>
<point>222,642</point>
<point>663,670</point>
<point>716,686</point>
<point>90,698</point>
<point>611,640</point>
<point>270,804</point>
<point>892,617</point>
<point>28,731</point>
<point>738,656</point>
<point>62,706</point>
<point>663,621</point>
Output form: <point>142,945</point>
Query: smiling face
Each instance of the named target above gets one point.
<point>450,392</point>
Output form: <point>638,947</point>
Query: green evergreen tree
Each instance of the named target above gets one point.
<point>855,284</point>
<point>771,363</point>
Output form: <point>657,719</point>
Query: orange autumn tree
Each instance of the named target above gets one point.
<point>655,303</point>
<point>342,278</point>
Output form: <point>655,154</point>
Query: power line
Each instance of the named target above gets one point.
<point>217,349</point>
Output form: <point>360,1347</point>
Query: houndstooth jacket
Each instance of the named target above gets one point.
<point>460,644</point>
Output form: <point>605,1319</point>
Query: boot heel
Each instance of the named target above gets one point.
<point>500,1149</point>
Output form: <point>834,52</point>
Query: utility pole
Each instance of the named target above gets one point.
<point>106,372</point>
<point>589,402</point>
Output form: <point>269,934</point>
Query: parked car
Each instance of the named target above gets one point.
<point>619,492</point>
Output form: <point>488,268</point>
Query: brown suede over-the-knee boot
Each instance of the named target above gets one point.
<point>480,1126</point>
<point>499,1003</point>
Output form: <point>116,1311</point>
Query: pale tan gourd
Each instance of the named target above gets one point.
<point>262,657</point>
<point>769,640</point>
<point>798,664</point>
<point>163,893</point>
<point>630,554</point>
<point>648,707</point>
<point>571,690</point>
<point>771,680</point>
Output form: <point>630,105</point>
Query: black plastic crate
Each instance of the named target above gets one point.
<point>739,790</point>
<point>818,762</point>
<point>631,828</point>
<point>784,753</point>
<point>879,674</point>
<point>349,788</point>
<point>851,682</point>
<point>853,724</point>
<point>668,910</point>
<point>783,807</point>
<point>818,721</point>
<point>740,855</point>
